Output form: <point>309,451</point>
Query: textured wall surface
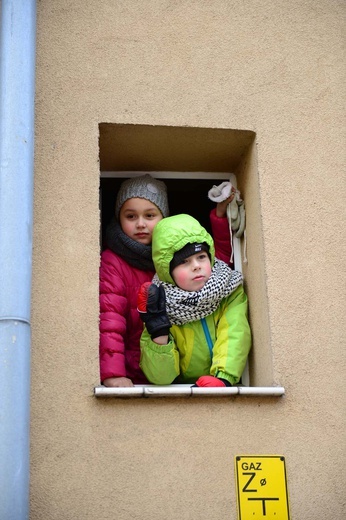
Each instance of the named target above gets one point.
<point>273,67</point>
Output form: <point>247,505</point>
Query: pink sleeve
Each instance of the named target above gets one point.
<point>113,303</point>
<point>222,237</point>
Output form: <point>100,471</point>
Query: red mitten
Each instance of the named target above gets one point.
<point>143,297</point>
<point>212,381</point>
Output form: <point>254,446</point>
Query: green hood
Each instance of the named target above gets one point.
<point>170,235</point>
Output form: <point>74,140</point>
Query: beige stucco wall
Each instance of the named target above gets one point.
<point>273,67</point>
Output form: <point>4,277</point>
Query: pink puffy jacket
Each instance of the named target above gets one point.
<point>120,324</point>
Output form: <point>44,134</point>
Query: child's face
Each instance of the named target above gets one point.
<point>193,273</point>
<point>138,217</point>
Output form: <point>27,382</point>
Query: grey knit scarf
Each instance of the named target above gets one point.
<point>185,307</point>
<point>136,254</point>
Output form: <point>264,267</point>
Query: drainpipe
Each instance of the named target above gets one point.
<point>17,84</point>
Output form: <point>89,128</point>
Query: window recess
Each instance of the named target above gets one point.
<point>190,161</point>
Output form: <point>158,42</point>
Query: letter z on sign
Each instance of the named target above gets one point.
<point>261,487</point>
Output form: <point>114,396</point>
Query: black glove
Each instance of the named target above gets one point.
<point>152,309</point>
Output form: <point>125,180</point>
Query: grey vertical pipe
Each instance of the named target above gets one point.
<point>17,85</point>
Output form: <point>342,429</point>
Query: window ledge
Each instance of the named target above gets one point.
<point>188,391</point>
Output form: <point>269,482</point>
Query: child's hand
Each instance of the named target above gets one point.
<point>152,309</point>
<point>211,381</point>
<point>117,382</point>
<point>221,207</point>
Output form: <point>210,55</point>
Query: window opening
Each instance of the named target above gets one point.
<point>185,195</point>
<point>190,160</point>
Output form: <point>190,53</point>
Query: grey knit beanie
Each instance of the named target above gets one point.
<point>144,187</point>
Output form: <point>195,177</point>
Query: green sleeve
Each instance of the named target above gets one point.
<point>233,338</point>
<point>160,363</point>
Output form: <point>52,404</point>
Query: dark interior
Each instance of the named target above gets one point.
<point>184,196</point>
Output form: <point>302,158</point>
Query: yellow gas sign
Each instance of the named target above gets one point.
<point>261,487</point>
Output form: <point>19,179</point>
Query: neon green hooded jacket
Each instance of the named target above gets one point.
<point>187,355</point>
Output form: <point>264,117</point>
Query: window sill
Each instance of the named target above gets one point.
<point>188,391</point>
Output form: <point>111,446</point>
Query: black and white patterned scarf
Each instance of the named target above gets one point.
<point>185,306</point>
<point>136,254</point>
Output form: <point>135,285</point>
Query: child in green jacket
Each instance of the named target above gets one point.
<point>195,311</point>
